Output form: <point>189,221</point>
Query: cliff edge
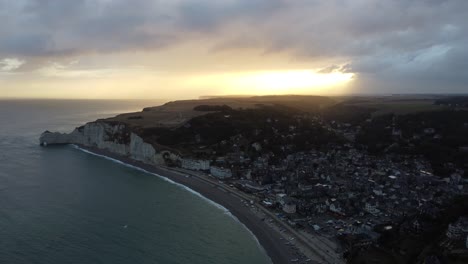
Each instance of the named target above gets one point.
<point>114,137</point>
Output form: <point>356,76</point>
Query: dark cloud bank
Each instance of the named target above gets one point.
<point>393,46</point>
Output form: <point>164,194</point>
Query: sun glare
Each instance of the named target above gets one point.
<point>276,82</point>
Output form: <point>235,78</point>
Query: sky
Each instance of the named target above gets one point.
<point>179,49</point>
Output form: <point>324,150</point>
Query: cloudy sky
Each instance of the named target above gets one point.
<point>187,48</point>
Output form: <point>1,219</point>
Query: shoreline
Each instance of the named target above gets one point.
<point>164,178</point>
<point>270,241</point>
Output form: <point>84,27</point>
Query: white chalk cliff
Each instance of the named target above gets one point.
<point>116,138</point>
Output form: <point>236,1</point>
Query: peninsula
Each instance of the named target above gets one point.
<point>316,179</point>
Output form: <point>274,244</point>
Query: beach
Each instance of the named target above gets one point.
<point>273,242</point>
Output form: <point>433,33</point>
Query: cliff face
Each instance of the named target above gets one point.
<point>116,138</point>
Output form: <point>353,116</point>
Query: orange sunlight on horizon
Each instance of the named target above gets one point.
<point>275,82</point>
<point>144,84</point>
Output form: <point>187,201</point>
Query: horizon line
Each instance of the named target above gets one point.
<point>203,97</point>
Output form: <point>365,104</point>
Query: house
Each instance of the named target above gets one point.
<point>289,206</point>
<point>458,230</point>
<point>257,146</point>
<point>371,208</point>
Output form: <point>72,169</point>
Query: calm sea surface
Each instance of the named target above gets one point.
<point>60,205</point>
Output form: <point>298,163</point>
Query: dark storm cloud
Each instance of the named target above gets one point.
<point>51,28</point>
<point>48,27</point>
<point>409,44</point>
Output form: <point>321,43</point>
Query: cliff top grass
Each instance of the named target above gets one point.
<point>176,113</point>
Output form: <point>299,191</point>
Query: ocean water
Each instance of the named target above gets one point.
<point>62,205</point>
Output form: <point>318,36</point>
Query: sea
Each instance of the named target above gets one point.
<point>59,204</point>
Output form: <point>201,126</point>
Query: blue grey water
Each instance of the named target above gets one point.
<point>62,205</point>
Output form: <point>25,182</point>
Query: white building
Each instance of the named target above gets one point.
<point>220,172</point>
<point>192,164</point>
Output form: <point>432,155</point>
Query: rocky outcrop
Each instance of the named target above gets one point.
<point>114,137</point>
<point>54,138</point>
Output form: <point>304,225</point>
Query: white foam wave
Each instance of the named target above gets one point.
<point>155,174</point>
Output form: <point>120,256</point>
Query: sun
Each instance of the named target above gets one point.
<point>291,80</point>
<point>276,82</point>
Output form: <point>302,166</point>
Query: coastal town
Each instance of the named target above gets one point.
<point>339,184</point>
<point>341,195</point>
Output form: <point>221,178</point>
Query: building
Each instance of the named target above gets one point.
<point>459,229</point>
<point>221,173</point>
<point>280,198</point>
<point>254,188</point>
<point>192,164</point>
<point>289,207</point>
<point>371,208</point>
